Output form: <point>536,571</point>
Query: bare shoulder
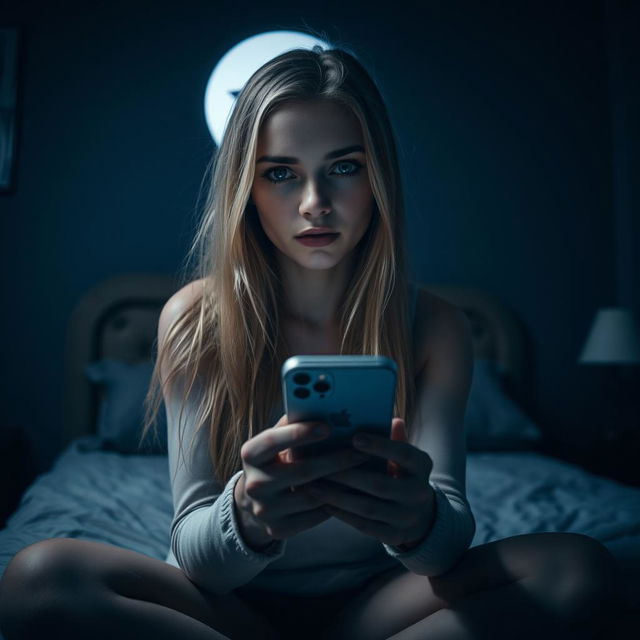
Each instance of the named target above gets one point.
<point>443,331</point>
<point>175,306</point>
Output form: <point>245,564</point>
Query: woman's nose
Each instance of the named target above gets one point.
<point>314,200</point>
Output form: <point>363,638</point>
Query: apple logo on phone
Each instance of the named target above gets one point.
<point>341,418</point>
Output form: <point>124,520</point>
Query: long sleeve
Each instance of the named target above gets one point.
<point>450,536</point>
<point>438,429</point>
<point>205,537</point>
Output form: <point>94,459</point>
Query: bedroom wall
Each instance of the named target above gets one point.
<point>501,110</point>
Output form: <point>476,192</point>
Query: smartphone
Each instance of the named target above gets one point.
<point>350,393</point>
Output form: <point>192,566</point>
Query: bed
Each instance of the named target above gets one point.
<point>103,488</point>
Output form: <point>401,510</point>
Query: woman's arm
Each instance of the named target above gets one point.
<point>206,539</point>
<point>438,429</point>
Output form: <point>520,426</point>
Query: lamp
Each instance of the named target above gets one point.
<point>614,340</point>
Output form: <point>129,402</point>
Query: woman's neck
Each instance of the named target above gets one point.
<point>311,297</point>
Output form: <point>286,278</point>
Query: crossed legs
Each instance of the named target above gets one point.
<point>544,585</point>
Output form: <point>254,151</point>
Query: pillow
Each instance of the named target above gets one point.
<point>492,420</point>
<point>121,413</point>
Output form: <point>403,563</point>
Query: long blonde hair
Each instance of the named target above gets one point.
<point>228,345</point>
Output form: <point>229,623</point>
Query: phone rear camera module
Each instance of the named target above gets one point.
<point>301,392</point>
<point>301,378</point>
<point>321,386</point>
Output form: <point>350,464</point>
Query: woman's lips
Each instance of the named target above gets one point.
<point>318,240</point>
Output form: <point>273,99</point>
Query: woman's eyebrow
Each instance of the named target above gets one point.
<point>332,154</point>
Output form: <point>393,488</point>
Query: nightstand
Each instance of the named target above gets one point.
<point>16,469</point>
<point>613,454</point>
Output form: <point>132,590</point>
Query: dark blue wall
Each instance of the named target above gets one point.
<point>502,112</point>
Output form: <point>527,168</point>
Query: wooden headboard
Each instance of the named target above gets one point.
<point>118,318</point>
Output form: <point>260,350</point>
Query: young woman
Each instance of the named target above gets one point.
<point>263,546</point>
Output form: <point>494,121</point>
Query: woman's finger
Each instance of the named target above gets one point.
<point>394,469</point>
<point>287,526</point>
<point>411,459</point>
<point>299,472</point>
<point>285,503</point>
<point>381,531</point>
<point>399,430</point>
<point>285,457</point>
<point>265,446</point>
<point>273,478</point>
<point>360,504</point>
<point>404,490</point>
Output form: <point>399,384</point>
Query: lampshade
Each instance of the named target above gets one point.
<point>614,338</point>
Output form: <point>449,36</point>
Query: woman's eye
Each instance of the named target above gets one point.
<point>278,174</point>
<point>275,171</point>
<point>356,166</point>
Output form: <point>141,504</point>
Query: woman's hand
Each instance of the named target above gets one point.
<point>398,508</point>
<point>264,491</point>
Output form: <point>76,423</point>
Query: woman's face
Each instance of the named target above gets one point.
<point>311,171</point>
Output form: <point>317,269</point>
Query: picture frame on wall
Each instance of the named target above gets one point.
<point>8,107</point>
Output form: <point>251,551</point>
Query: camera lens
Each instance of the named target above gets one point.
<point>301,378</point>
<point>321,386</point>
<point>301,392</point>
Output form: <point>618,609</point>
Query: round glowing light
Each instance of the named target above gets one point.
<point>238,64</point>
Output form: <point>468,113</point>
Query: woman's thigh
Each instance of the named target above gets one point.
<point>398,598</point>
<point>65,572</point>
